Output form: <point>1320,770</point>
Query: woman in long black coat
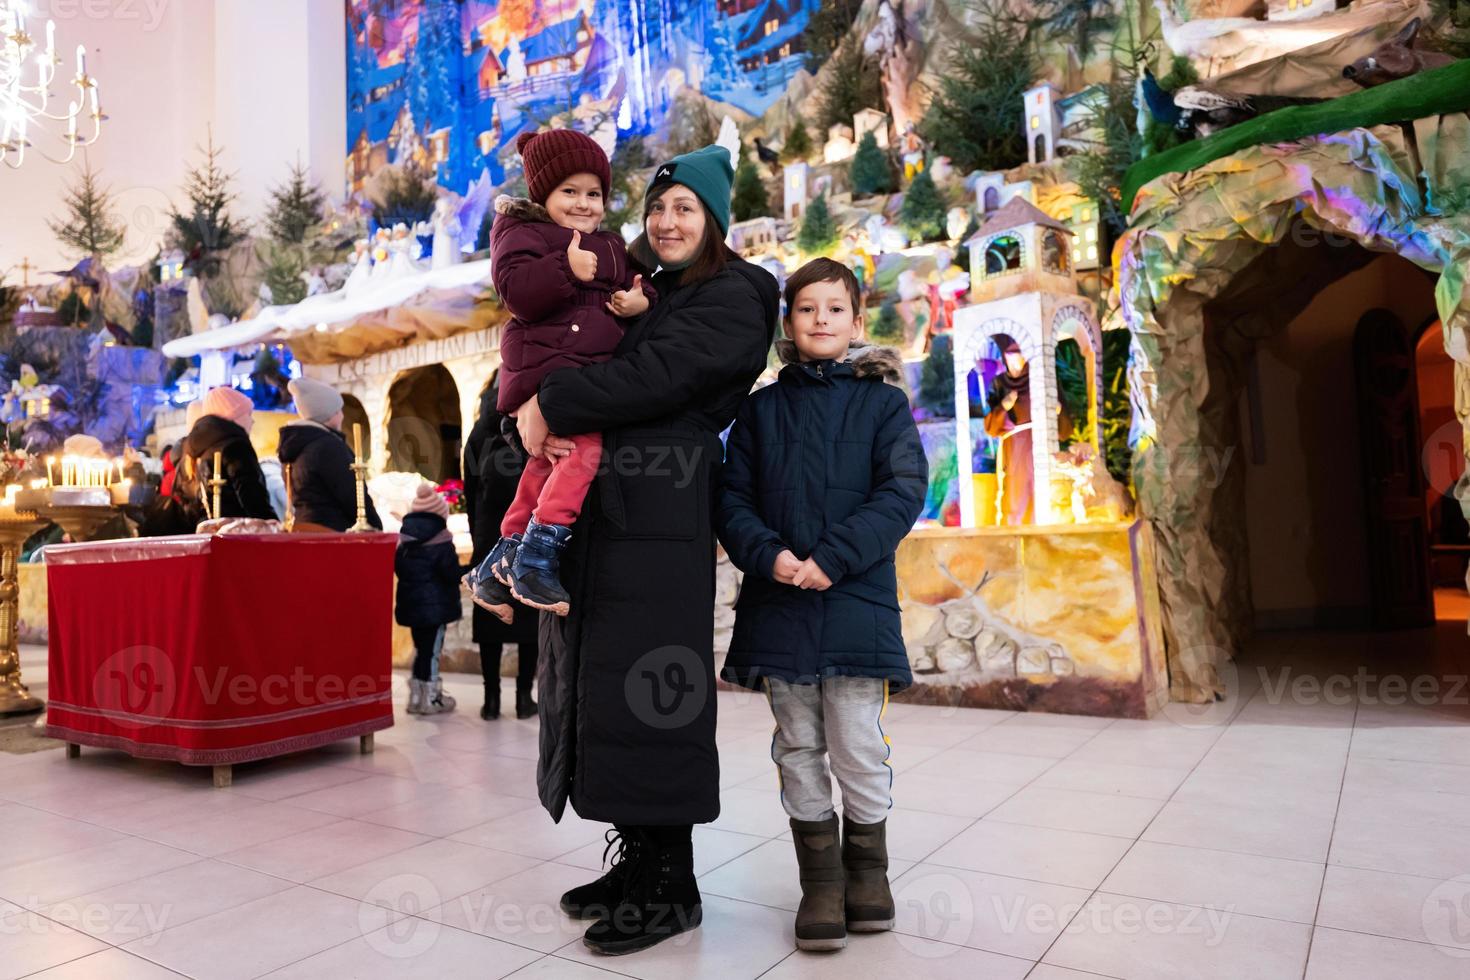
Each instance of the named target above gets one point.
<point>492,468</point>
<point>627,679</point>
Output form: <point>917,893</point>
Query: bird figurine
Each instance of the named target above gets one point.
<point>1159,101</point>
<point>767,155</point>
<point>1207,111</point>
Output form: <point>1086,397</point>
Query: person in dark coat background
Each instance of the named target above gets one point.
<point>492,468</point>
<point>323,486</point>
<point>824,475</point>
<point>627,681</point>
<point>428,595</point>
<point>224,428</point>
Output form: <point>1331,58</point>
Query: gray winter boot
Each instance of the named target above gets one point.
<point>869,900</point>
<point>436,701</point>
<point>820,920</point>
<point>417,696</point>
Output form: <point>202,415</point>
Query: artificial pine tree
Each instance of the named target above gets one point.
<point>91,228</point>
<point>870,171</point>
<point>975,115</point>
<point>887,327</point>
<point>922,214</point>
<point>852,84</point>
<point>208,228</point>
<point>283,264</point>
<point>818,231</point>
<point>798,143</point>
<point>295,207</point>
<point>936,382</point>
<point>750,200</point>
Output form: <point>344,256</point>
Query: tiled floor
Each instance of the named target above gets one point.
<point>1280,834</point>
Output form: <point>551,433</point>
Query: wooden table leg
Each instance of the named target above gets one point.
<point>73,750</point>
<point>365,744</point>
<point>223,776</point>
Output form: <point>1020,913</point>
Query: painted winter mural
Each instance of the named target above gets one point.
<point>452,82</point>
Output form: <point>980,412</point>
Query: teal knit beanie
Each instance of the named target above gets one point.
<point>706,172</point>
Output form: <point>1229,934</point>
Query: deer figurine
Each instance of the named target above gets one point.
<point>1394,59</point>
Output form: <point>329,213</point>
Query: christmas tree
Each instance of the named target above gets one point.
<point>818,230</point>
<point>283,264</point>
<point>91,228</point>
<point>870,171</point>
<point>888,327</point>
<point>922,214</point>
<point>975,115</point>
<point>750,200</point>
<point>852,84</point>
<point>936,383</point>
<point>208,228</point>
<point>798,144</point>
<point>295,207</point>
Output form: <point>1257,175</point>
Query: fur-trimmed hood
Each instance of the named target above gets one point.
<point>521,208</point>
<point>867,360</point>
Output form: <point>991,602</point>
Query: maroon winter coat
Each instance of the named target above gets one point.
<point>557,320</point>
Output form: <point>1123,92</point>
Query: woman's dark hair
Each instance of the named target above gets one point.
<point>708,262</point>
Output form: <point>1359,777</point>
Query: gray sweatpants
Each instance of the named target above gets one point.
<point>842,719</point>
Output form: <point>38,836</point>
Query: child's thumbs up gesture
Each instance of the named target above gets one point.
<point>583,262</point>
<point>631,301</point>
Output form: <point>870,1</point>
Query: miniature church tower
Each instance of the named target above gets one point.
<point>1043,124</point>
<point>1023,284</point>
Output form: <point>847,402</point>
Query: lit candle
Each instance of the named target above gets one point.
<point>50,461</point>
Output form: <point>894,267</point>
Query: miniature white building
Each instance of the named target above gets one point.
<point>1042,122</point>
<point>870,121</point>
<point>1022,281</point>
<point>1084,221</point>
<point>840,145</point>
<point>755,235</point>
<point>794,184</point>
<point>992,192</point>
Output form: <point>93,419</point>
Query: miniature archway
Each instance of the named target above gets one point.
<point>1192,237</point>
<point>1076,322</point>
<point>970,344</point>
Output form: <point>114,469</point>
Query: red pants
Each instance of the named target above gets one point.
<point>554,492</point>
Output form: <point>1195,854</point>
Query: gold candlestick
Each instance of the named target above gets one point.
<point>290,520</point>
<point>216,481</point>
<point>359,471</point>
<point>15,528</point>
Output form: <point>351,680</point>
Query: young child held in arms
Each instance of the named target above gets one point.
<point>566,284</point>
<point>824,475</point>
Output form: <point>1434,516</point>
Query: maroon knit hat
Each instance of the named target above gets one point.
<point>553,156</point>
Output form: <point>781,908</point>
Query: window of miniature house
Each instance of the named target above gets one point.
<point>992,199</point>
<point>1054,257</point>
<point>1002,255</point>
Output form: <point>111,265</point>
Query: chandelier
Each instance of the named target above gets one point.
<point>25,108</point>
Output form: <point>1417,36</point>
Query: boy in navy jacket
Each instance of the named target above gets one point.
<point>824,475</point>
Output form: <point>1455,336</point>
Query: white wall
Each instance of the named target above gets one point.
<point>267,75</point>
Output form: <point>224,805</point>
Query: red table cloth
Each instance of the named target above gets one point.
<point>217,650</point>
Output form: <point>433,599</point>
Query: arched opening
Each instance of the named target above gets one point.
<point>1040,148</point>
<point>1002,255</point>
<point>354,414</point>
<point>424,424</point>
<point>987,395</point>
<point>992,199</point>
<point>1444,464</point>
<point>1056,257</point>
<point>1313,427</point>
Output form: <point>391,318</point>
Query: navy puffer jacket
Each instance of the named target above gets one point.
<point>428,572</point>
<point>826,462</point>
